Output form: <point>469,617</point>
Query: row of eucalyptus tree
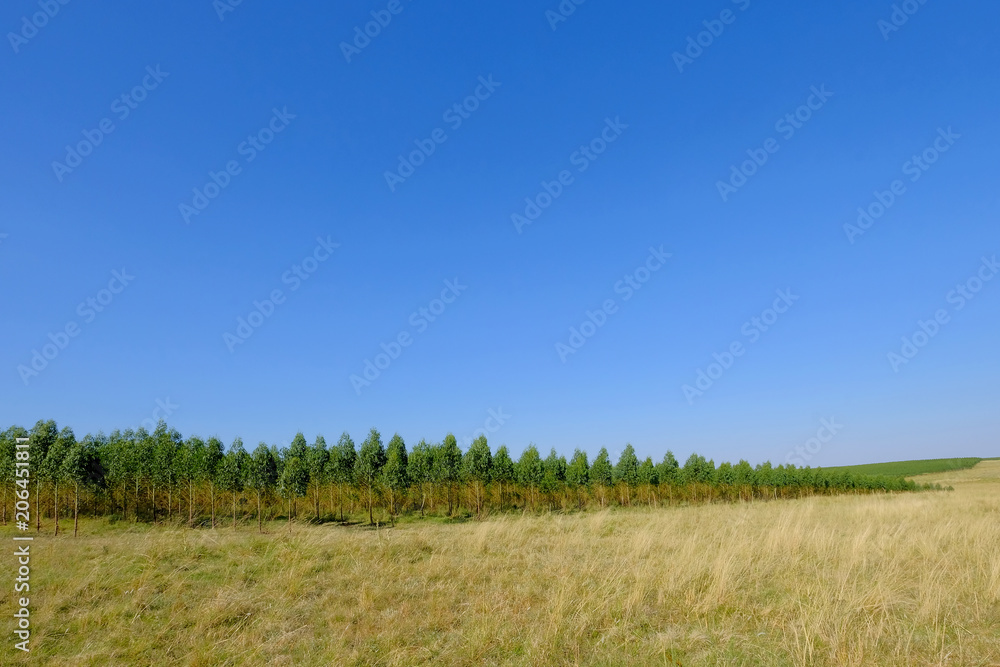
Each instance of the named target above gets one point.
<point>161,476</point>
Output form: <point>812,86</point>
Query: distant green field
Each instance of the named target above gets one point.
<point>909,468</point>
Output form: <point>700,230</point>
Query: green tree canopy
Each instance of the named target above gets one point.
<point>627,469</point>
<point>601,471</point>
<point>368,468</point>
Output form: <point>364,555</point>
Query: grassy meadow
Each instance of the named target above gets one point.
<point>908,468</point>
<point>897,579</point>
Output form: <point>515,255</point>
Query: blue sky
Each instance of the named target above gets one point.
<point>203,85</point>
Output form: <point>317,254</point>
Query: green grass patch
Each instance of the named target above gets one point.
<point>909,468</point>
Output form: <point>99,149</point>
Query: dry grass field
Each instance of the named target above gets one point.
<point>910,579</point>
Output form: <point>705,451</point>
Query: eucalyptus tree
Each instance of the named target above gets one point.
<point>395,473</point>
<point>626,473</point>
<point>477,466</point>
<point>42,436</point>
<point>780,479</point>
<point>114,460</point>
<point>725,477</point>
<point>764,475</point>
<point>698,473</point>
<point>163,463</point>
<point>262,476</point>
<point>233,472</point>
<point>419,468</point>
<point>697,469</point>
<point>101,491</point>
<point>578,475</point>
<point>8,458</point>
<point>140,448</point>
<point>299,448</point>
<point>667,469</point>
<point>743,477</point>
<point>8,449</point>
<point>449,462</point>
<point>648,478</point>
<point>503,471</point>
<point>7,467</point>
<point>601,474</point>
<point>316,459</point>
<point>82,467</point>
<point>280,455</point>
<point>209,469</point>
<point>529,472</point>
<point>175,451</point>
<point>553,476</point>
<point>293,482</point>
<point>438,472</point>
<point>368,469</point>
<point>191,463</point>
<point>52,466</point>
<point>340,467</point>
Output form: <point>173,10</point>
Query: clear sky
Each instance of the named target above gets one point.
<point>212,154</point>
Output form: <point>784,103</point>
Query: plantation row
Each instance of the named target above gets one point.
<point>160,475</point>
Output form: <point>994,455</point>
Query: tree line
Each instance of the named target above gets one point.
<point>163,477</point>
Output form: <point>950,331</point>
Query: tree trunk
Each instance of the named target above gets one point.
<point>76,511</point>
<point>260,524</point>
<point>38,510</point>
<point>55,504</point>
<point>154,504</point>
<point>371,518</point>
<point>212,491</point>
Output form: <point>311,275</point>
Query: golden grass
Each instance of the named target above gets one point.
<point>911,579</point>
